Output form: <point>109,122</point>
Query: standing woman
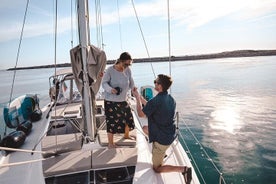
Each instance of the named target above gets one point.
<point>117,81</point>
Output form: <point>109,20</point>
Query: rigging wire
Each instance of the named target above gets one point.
<point>76,22</point>
<point>169,38</point>
<point>205,152</point>
<point>179,133</point>
<point>55,37</point>
<point>97,21</point>
<point>99,31</point>
<point>17,56</point>
<point>120,31</point>
<point>169,34</point>
<point>145,44</point>
<point>72,34</point>
<point>55,41</point>
<point>191,156</point>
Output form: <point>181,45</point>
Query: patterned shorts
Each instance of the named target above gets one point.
<point>118,114</point>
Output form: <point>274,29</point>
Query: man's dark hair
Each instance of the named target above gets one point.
<point>165,81</point>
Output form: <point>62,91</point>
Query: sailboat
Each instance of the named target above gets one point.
<point>69,143</point>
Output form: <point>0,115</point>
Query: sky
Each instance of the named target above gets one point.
<point>196,27</point>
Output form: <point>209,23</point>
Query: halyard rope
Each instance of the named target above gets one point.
<point>17,56</point>
<point>145,44</point>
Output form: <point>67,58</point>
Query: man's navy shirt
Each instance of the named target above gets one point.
<point>160,111</point>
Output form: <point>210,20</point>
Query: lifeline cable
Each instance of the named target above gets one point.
<point>205,152</point>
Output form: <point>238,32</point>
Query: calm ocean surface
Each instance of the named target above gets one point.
<point>229,105</point>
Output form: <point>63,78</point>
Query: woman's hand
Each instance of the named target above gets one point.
<point>135,93</point>
<point>114,91</point>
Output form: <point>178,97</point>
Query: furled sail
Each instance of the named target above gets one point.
<point>95,66</point>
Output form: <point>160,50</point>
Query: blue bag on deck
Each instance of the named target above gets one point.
<point>20,110</point>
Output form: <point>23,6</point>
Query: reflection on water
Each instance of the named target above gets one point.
<point>226,118</point>
<point>239,129</point>
<point>231,108</point>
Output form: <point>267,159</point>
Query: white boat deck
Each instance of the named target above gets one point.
<point>28,173</point>
<point>99,156</point>
<point>144,172</point>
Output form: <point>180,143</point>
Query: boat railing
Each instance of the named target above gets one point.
<point>221,179</point>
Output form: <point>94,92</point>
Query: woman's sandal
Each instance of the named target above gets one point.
<point>187,173</point>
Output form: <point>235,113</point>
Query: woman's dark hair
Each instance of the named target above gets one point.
<point>165,81</point>
<point>125,56</point>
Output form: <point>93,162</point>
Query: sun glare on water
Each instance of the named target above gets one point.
<point>226,118</point>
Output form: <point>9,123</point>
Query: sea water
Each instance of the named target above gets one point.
<point>227,110</point>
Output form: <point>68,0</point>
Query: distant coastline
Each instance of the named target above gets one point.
<point>228,54</point>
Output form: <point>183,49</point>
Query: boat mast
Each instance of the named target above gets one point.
<point>83,26</point>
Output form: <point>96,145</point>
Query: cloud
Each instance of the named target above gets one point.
<point>190,14</point>
<point>196,13</point>
<point>33,30</point>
